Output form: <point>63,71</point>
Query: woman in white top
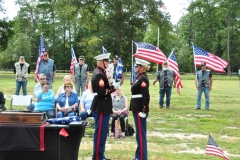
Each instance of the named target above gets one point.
<point>120,110</point>
<point>61,90</point>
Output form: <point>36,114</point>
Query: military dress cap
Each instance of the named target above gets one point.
<point>116,57</point>
<point>141,62</point>
<point>103,57</point>
<point>21,57</point>
<point>81,57</point>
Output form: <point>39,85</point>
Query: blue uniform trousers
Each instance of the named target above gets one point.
<point>141,137</point>
<point>100,135</point>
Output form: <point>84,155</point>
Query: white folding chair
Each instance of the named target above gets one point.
<point>20,100</point>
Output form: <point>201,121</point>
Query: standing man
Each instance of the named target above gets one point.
<point>101,106</point>
<point>139,106</point>
<point>21,69</point>
<point>81,75</point>
<point>203,83</point>
<point>47,67</point>
<point>166,78</point>
<point>115,63</point>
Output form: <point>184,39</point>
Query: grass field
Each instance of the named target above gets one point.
<point>179,133</point>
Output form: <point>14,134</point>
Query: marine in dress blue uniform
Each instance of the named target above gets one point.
<point>139,106</point>
<point>101,106</point>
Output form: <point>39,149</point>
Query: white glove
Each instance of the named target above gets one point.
<point>142,115</point>
<point>89,112</point>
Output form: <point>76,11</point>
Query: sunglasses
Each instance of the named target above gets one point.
<point>69,86</point>
<point>42,79</point>
<point>45,55</point>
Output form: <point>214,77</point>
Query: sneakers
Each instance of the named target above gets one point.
<point>160,106</point>
<point>198,109</point>
<point>168,107</point>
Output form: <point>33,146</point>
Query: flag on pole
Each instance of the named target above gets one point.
<point>163,7</point>
<point>73,61</point>
<point>149,52</point>
<point>104,51</point>
<point>212,62</point>
<point>119,70</point>
<point>40,54</point>
<point>172,62</point>
<point>213,149</point>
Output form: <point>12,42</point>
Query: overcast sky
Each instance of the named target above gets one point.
<point>174,7</point>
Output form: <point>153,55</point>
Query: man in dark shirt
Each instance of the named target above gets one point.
<point>203,83</point>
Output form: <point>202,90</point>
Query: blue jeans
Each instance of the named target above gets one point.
<point>84,115</point>
<point>199,95</point>
<point>20,84</point>
<point>49,113</point>
<point>168,91</point>
<point>60,114</point>
<point>79,84</point>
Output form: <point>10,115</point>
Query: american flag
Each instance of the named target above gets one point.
<point>163,7</point>
<point>119,70</point>
<point>73,61</point>
<point>149,52</point>
<point>213,149</point>
<point>104,51</point>
<point>172,62</point>
<point>213,62</point>
<point>41,50</point>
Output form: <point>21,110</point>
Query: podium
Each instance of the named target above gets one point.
<point>26,141</point>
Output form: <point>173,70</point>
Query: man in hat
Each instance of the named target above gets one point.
<point>139,105</point>
<point>166,78</point>
<point>81,75</point>
<point>121,76</point>
<point>203,83</point>
<point>21,70</point>
<point>101,105</point>
<point>48,68</point>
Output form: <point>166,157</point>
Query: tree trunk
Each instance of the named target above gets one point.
<point>117,39</point>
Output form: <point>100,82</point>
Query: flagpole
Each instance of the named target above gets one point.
<point>194,59</point>
<point>131,80</point>
<point>158,45</point>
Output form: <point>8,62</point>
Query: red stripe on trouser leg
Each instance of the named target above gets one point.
<point>99,135</point>
<point>140,136</point>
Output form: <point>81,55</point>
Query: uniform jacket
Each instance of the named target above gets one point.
<point>140,86</point>
<point>102,102</point>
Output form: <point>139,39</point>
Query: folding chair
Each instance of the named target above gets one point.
<point>20,100</point>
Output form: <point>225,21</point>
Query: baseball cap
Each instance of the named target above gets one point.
<point>116,57</point>
<point>21,57</point>
<point>203,63</point>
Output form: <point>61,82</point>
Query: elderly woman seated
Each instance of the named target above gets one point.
<point>45,100</point>
<point>66,79</point>
<point>120,110</point>
<point>67,102</point>
<point>85,104</point>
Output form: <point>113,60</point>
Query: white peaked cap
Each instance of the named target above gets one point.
<point>141,62</point>
<point>102,56</point>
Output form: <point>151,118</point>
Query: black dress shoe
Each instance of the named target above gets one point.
<point>160,106</point>
<point>106,158</point>
<point>198,109</point>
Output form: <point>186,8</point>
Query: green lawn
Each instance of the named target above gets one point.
<point>179,133</point>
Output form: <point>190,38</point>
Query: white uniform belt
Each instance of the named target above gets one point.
<point>137,96</point>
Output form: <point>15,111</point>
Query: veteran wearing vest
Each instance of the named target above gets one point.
<point>48,68</point>
<point>21,69</point>
<point>203,83</point>
<point>80,76</point>
<point>167,80</point>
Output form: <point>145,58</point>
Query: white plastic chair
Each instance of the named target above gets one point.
<point>20,100</point>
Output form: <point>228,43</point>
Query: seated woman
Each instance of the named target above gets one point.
<point>45,100</point>
<point>67,102</point>
<point>120,109</point>
<point>61,89</point>
<point>85,103</point>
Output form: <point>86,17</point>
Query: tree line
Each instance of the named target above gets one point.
<point>87,25</point>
